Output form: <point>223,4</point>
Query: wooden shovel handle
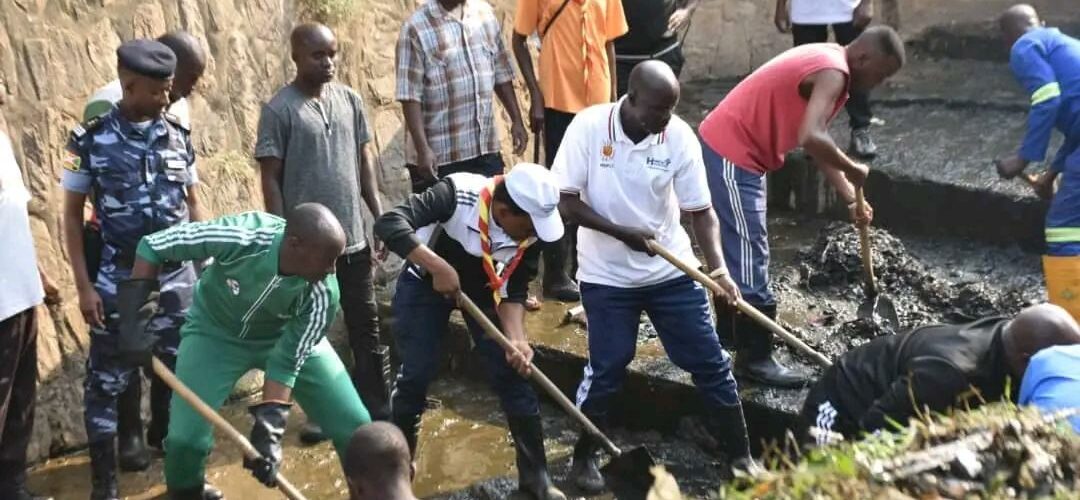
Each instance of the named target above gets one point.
<point>742,305</point>
<point>865,245</point>
<point>220,423</point>
<point>538,376</point>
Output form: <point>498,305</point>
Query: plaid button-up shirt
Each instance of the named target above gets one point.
<point>450,65</point>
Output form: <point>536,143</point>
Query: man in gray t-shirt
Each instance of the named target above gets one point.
<point>312,147</point>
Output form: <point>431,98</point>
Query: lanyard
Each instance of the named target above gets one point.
<point>494,279</point>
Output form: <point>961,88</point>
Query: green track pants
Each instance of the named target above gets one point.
<point>211,364</point>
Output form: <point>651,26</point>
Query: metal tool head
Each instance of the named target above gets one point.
<point>879,310</point>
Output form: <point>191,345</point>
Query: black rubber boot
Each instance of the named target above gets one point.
<point>533,477</point>
<point>160,396</point>
<point>725,328</point>
<point>410,426</point>
<point>103,470</point>
<point>755,354</point>
<point>728,427</point>
<point>204,492</point>
<point>557,261</point>
<point>585,470</point>
<point>131,449</point>
<point>14,487</point>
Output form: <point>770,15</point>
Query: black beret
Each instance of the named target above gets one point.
<point>149,58</point>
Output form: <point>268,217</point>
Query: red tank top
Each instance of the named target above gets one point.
<point>757,123</point>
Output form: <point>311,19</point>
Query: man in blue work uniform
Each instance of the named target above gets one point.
<point>1047,63</point>
<point>139,165</point>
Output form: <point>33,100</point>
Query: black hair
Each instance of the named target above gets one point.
<point>888,42</point>
<point>502,194</point>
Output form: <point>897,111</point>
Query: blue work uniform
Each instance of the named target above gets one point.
<point>1052,381</point>
<point>1047,63</point>
<point>138,176</point>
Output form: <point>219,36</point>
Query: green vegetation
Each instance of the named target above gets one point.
<point>329,12</point>
<point>996,452</point>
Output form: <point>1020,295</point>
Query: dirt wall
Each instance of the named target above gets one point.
<point>732,37</point>
<point>54,53</point>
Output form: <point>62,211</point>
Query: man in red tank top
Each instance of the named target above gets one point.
<point>785,104</point>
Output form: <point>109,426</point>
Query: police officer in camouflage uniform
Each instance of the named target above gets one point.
<point>138,164</point>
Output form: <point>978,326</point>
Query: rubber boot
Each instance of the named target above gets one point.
<point>103,470</point>
<point>728,427</point>
<point>533,477</point>
<point>160,397</point>
<point>410,426</point>
<point>557,282</point>
<point>725,328</point>
<point>14,487</point>
<point>131,449</point>
<point>204,492</point>
<point>585,470</point>
<point>755,354</point>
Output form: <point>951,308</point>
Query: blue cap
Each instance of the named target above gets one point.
<point>149,58</point>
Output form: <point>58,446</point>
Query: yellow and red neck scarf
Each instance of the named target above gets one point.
<point>495,281</point>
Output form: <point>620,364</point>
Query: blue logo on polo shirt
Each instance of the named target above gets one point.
<point>660,164</point>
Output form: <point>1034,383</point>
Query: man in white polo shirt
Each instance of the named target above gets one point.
<point>625,171</point>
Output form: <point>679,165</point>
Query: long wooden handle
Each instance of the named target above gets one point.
<point>742,305</point>
<point>538,376</point>
<point>864,245</point>
<point>220,423</point>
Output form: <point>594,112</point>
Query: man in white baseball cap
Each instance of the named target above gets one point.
<point>480,236</point>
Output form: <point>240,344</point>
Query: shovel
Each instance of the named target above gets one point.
<point>220,423</point>
<point>631,467</point>
<point>743,306</point>
<point>876,308</point>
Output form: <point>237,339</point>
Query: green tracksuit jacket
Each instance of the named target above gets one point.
<point>242,295</point>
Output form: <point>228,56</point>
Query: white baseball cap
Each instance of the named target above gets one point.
<point>533,189</point>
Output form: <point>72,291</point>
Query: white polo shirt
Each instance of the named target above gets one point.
<point>642,186</point>
<point>823,11</point>
<point>20,285</point>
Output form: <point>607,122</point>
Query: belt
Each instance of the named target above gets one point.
<point>638,58</point>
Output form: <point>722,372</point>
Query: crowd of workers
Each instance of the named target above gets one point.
<point>214,298</point>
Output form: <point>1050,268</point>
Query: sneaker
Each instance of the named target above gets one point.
<point>862,145</point>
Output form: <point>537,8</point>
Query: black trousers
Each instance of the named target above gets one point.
<point>355,278</point>
<point>555,124</point>
<point>673,58</point>
<point>18,388</point>
<point>488,165</point>
<point>858,105</point>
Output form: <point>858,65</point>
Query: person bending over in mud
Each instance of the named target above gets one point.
<point>1047,63</point>
<point>938,367</point>
<point>377,464</point>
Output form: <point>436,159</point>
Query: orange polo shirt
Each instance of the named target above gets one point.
<point>574,71</point>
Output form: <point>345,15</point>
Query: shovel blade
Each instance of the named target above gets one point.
<point>632,469</point>
<point>879,310</point>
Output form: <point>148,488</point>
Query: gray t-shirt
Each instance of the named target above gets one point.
<point>319,142</point>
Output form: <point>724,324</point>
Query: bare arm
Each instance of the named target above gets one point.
<point>270,174</point>
<point>610,47</point>
<point>524,59</point>
<point>578,212</point>
<point>508,97</point>
<point>276,392</point>
<point>89,301</point>
<point>707,232</point>
<point>369,182</point>
<point>196,212</point>
<point>782,16</point>
<point>826,87</point>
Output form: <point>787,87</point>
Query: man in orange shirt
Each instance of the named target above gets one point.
<point>571,79</point>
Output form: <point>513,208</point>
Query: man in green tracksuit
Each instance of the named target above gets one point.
<point>264,303</point>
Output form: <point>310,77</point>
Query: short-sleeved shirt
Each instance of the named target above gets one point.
<point>319,141</point>
<point>20,285</point>
<point>138,179</point>
<point>574,71</point>
<point>823,11</point>
<point>758,122</point>
<point>1052,381</point>
<point>643,186</point>
<point>105,98</point>
<point>451,65</point>
<point>648,23</point>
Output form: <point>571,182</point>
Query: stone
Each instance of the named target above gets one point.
<point>101,43</point>
<point>38,60</point>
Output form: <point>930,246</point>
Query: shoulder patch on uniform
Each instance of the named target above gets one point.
<point>175,120</point>
<point>86,127</point>
<point>72,161</point>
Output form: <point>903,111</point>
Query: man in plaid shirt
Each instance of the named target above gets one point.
<point>450,60</point>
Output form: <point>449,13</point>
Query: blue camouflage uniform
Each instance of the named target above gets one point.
<point>138,179</point>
